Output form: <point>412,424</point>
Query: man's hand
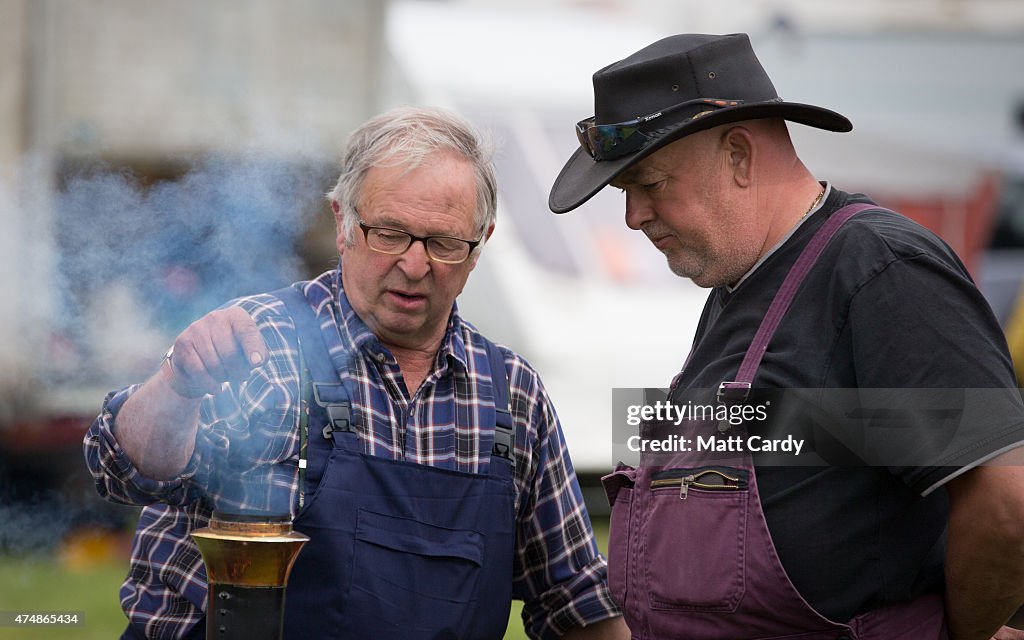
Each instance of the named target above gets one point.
<point>1008,633</point>
<point>157,426</point>
<point>222,346</point>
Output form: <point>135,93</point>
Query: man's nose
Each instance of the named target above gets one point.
<point>415,263</point>
<point>638,210</point>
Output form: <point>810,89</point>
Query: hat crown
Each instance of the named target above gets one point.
<point>680,68</point>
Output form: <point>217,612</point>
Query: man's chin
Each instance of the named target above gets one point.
<point>685,270</point>
<point>701,275</point>
<point>402,329</point>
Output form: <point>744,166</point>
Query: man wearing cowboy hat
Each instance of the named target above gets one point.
<point>812,288</point>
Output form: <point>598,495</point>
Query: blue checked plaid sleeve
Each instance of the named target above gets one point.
<point>558,572</point>
<point>115,475</point>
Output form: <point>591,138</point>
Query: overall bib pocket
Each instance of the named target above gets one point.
<point>694,538</point>
<point>407,569</point>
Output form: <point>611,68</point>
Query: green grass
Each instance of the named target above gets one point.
<point>87,580</point>
<point>45,584</point>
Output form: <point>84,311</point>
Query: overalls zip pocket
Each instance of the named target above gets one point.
<point>708,503</point>
<point>704,479</point>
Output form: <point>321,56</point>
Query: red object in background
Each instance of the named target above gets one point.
<point>44,435</point>
<point>45,452</point>
<point>964,223</point>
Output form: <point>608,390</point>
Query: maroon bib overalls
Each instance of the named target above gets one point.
<point>690,555</point>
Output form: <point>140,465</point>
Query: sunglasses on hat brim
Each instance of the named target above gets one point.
<point>611,141</point>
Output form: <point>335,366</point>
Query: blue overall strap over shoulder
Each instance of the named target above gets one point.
<point>398,550</point>
<point>332,396</point>
<point>325,386</point>
<point>504,430</point>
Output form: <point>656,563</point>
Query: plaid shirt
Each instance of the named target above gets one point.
<point>558,571</point>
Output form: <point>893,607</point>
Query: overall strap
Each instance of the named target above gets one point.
<point>327,389</point>
<point>504,434</point>
<point>737,390</point>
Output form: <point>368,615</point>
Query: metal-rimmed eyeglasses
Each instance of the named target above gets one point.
<point>446,249</point>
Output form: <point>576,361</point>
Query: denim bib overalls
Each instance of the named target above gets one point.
<point>398,550</point>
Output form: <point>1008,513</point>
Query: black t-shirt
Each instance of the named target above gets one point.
<point>888,306</point>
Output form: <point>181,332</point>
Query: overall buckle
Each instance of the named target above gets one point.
<point>733,391</point>
<point>502,446</point>
<point>334,400</point>
<point>338,417</point>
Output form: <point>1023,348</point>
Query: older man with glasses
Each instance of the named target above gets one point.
<point>425,463</point>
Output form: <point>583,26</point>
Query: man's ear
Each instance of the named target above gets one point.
<point>739,144</point>
<point>339,227</point>
<point>476,256</point>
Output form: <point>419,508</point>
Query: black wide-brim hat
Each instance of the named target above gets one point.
<point>672,71</point>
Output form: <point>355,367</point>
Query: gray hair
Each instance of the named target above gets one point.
<point>406,136</point>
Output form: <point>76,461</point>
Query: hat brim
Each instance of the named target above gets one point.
<point>582,176</point>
